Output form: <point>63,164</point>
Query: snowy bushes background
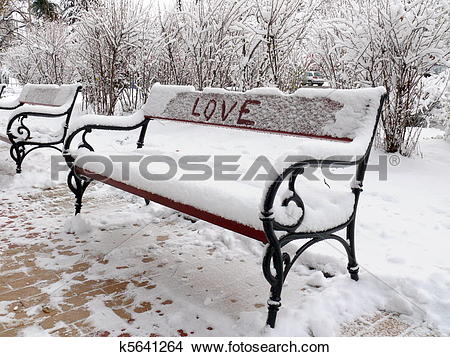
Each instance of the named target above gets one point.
<point>44,54</point>
<point>391,43</point>
<point>118,49</point>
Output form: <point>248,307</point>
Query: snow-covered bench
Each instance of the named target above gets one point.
<point>24,119</point>
<point>2,88</point>
<point>320,127</point>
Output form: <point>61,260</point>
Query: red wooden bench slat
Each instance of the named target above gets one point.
<point>37,103</point>
<point>181,207</point>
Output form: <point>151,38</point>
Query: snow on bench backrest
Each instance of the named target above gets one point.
<point>336,114</point>
<point>48,94</point>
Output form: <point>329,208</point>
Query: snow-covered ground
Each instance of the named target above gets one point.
<point>402,237</point>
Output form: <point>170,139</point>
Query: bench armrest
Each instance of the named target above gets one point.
<point>87,123</point>
<point>42,110</point>
<point>16,128</point>
<point>25,111</point>
<point>107,122</point>
<point>290,174</point>
<point>9,104</point>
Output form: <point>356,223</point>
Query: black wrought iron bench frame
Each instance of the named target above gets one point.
<point>78,181</point>
<point>2,88</point>
<point>19,144</point>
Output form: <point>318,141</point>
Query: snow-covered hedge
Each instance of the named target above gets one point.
<point>44,54</point>
<point>393,43</point>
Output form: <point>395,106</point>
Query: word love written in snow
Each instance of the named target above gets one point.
<point>210,109</point>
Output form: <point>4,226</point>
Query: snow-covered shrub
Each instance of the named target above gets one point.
<point>447,131</point>
<point>280,29</point>
<point>435,99</point>
<point>391,43</point>
<point>44,54</point>
<point>142,64</point>
<point>234,44</point>
<point>203,43</point>
<point>109,38</point>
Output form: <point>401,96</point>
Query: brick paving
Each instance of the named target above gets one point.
<point>26,286</point>
<point>386,324</point>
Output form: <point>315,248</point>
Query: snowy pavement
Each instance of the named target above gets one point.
<point>142,271</point>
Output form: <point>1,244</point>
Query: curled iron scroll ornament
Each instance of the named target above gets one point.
<point>84,144</point>
<point>17,152</point>
<point>17,129</point>
<point>294,197</point>
<point>21,141</point>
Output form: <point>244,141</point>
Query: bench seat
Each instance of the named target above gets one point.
<point>326,204</point>
<point>325,207</point>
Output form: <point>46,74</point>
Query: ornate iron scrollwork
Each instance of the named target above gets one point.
<point>295,198</point>
<point>20,137</point>
<point>277,264</point>
<point>17,128</point>
<point>77,184</point>
<point>84,144</point>
<point>17,153</point>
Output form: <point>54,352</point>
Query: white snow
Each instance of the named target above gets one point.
<point>156,104</point>
<point>296,112</point>
<point>77,224</point>
<point>9,102</point>
<point>236,200</point>
<point>48,94</point>
<point>44,97</point>
<point>402,244</point>
<point>120,121</point>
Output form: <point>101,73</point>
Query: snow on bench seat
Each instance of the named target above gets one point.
<point>235,201</point>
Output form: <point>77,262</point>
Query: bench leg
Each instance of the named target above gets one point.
<point>352,266</point>
<point>281,263</point>
<point>273,305</point>
<point>19,150</point>
<point>17,153</point>
<point>276,260</point>
<point>77,185</point>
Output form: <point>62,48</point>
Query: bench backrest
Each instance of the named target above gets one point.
<point>2,87</point>
<point>48,94</point>
<point>335,114</point>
